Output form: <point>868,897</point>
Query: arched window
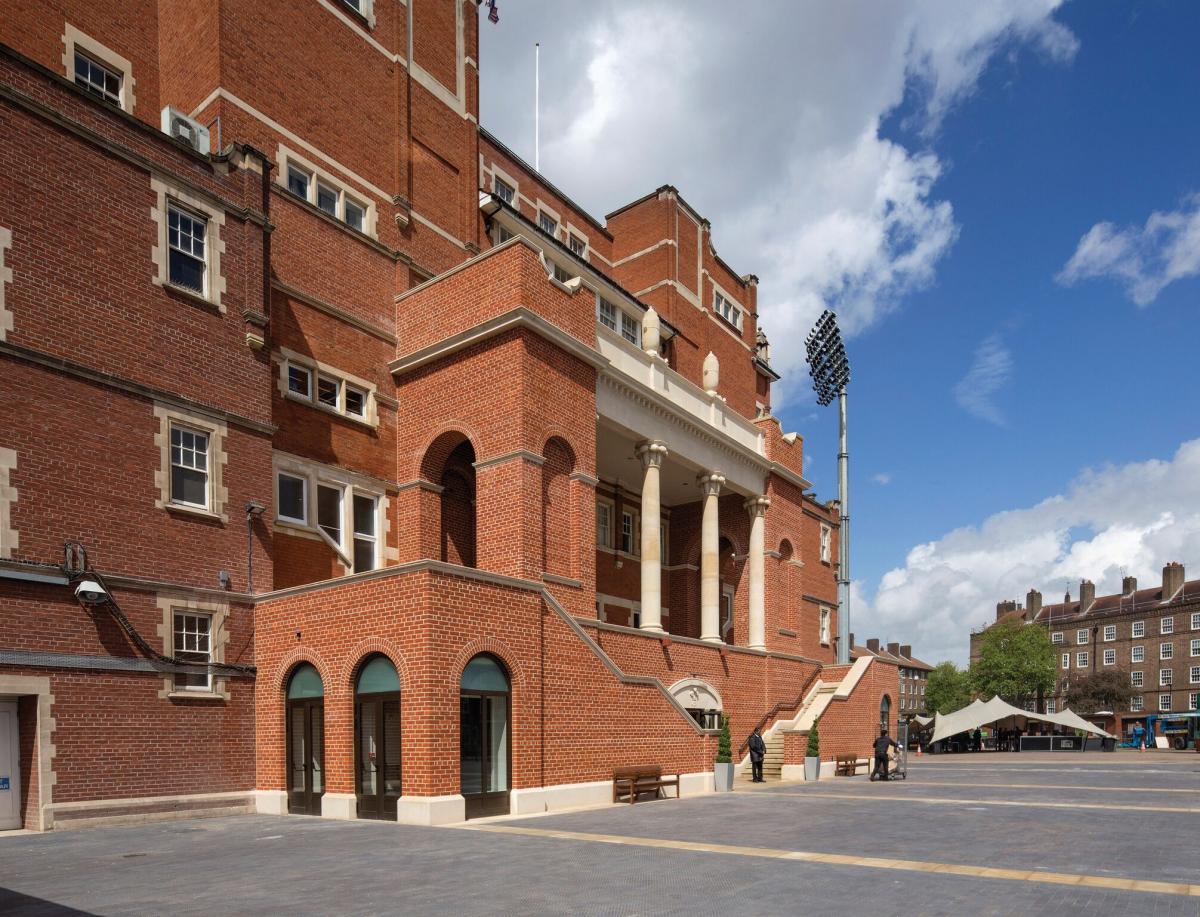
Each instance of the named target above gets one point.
<point>885,712</point>
<point>700,700</point>
<point>449,462</point>
<point>305,740</point>
<point>377,738</point>
<point>485,715</point>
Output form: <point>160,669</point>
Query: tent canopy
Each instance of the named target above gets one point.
<point>979,713</point>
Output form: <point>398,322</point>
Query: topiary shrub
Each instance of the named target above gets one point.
<point>814,741</point>
<point>725,743</point>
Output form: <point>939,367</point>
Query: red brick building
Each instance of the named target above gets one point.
<point>417,491</point>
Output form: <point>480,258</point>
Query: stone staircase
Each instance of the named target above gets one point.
<point>772,760</point>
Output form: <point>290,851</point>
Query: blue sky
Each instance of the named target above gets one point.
<point>976,198</point>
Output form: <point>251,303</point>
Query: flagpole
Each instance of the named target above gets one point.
<point>537,100</point>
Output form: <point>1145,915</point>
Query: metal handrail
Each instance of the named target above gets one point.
<point>778,708</point>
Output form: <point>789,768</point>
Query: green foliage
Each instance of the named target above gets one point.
<point>948,689</point>
<point>1016,660</point>
<point>814,741</point>
<point>724,744</point>
<point>1108,689</point>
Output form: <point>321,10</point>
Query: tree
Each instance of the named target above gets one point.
<point>814,741</point>
<point>1016,661</point>
<point>724,743</point>
<point>948,689</point>
<point>1109,689</point>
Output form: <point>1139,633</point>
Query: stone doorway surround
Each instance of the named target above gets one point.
<point>41,816</point>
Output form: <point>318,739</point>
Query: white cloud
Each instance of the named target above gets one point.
<point>989,373</point>
<point>769,124</point>
<point>883,478</point>
<point>1128,519</point>
<point>1146,259</point>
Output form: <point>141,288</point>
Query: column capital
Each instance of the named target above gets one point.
<point>711,482</point>
<point>756,506</point>
<point>651,452</point>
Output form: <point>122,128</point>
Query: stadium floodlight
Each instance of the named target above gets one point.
<point>830,370</point>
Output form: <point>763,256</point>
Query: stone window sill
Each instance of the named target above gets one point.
<point>193,511</point>
<point>195,695</point>
<point>187,293</point>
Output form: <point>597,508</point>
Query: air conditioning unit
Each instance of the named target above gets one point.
<point>176,124</point>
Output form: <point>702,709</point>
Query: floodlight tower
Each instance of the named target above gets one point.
<point>830,372</point>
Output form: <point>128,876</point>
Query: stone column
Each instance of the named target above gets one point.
<point>757,629</point>
<point>710,562</point>
<point>652,454</point>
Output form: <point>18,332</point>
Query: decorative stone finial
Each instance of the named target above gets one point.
<point>712,373</point>
<point>651,331</point>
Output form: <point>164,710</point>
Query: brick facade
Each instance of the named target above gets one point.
<point>401,419</point>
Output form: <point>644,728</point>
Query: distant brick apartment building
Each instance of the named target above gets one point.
<point>914,674</point>
<point>1152,634</point>
<point>420,493</point>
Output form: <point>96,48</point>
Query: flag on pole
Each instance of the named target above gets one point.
<point>493,13</point>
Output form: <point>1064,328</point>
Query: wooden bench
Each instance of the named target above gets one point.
<point>848,765</point>
<point>636,779</point>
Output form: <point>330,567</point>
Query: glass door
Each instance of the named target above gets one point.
<point>306,756</point>
<point>485,741</point>
<point>377,724</point>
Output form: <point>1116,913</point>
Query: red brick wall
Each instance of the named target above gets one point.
<point>850,726</point>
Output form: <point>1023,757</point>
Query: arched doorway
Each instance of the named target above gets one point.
<point>485,742</point>
<point>305,741</point>
<point>377,738</point>
<point>700,700</point>
<point>885,712</point>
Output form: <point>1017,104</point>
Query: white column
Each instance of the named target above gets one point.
<point>710,562</point>
<point>652,454</point>
<point>757,508</point>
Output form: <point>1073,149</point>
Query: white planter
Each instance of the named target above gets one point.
<point>812,768</point>
<point>723,778</point>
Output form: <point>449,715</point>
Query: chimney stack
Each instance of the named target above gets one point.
<point>873,645</point>
<point>906,651</point>
<point>851,640</point>
<point>1033,602</point>
<point>1003,608</point>
<point>1129,585</point>
<point>1172,580</point>
<point>894,649</point>
<point>1087,594</point>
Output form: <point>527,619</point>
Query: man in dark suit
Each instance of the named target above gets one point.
<point>882,744</point>
<point>758,750</point>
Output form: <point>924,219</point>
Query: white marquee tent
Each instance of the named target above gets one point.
<point>996,711</point>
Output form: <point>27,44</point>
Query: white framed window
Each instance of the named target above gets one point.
<point>727,309</point>
<point>333,390</point>
<point>366,544</point>
<point>1081,660</point>
<point>1110,657</point>
<point>503,190</point>
<point>325,192</point>
<point>329,512</point>
<point>193,643</point>
<point>1136,704</point>
<point>1166,651</point>
<point>1195,648</point>
<point>629,531</point>
<point>1138,629</point>
<point>631,329</point>
<point>187,263</point>
<point>1194,701</point>
<point>97,70</point>
<point>577,245</point>
<point>291,498</point>
<point>1056,637</point>
<point>826,544</point>
<point>547,223</point>
<point>1164,703</point>
<point>606,313</point>
<point>500,234</point>
<point>1137,654</point>
<point>1194,675</point>
<point>1196,620</point>
<point>1110,632</point>
<point>1137,679</point>
<point>604,513</point>
<point>189,466</point>
<point>1081,636</point>
<point>1166,676</point>
<point>825,626</point>
<point>1051,706</point>
<point>1066,660</point>
<point>364,8</point>
<point>1166,625</point>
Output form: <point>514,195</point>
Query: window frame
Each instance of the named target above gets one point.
<point>826,544</point>
<point>356,536</point>
<point>499,183</point>
<point>580,250</point>
<point>1195,620</point>
<point>170,194</point>
<point>1083,659</point>
<point>1137,679</point>
<point>1194,675</point>
<point>87,85</point>
<point>174,208</point>
<point>1166,651</point>
<point>178,653</point>
<point>1166,625</point>
<point>1137,704</point>
<point>77,42</point>
<point>1110,633</point>
<point>1166,678</point>
<point>733,312</point>
<point>1066,661</point>
<point>609,510</point>
<point>1057,638</point>
<point>318,372</point>
<point>1164,703</point>
<point>1081,637</point>
<point>546,222</point>
<point>289,162</point>
<point>1110,657</point>
<point>824,632</point>
<point>1137,653</point>
<point>1137,630</point>
<point>1194,648</point>
<point>634,518</point>
<point>302,519</point>
<point>185,428</point>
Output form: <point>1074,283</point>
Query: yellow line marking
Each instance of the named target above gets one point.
<point>1053,786</point>
<point>841,859</point>
<point>1036,804</point>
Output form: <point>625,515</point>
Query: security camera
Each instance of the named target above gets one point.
<point>91,592</point>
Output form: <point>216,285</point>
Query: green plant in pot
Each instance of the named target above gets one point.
<point>723,768</point>
<point>812,755</point>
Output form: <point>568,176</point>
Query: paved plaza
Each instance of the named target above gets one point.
<point>966,834</point>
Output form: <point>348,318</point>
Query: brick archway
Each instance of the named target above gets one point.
<point>373,646</point>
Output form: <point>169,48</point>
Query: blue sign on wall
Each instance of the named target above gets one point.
<point>4,785</point>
